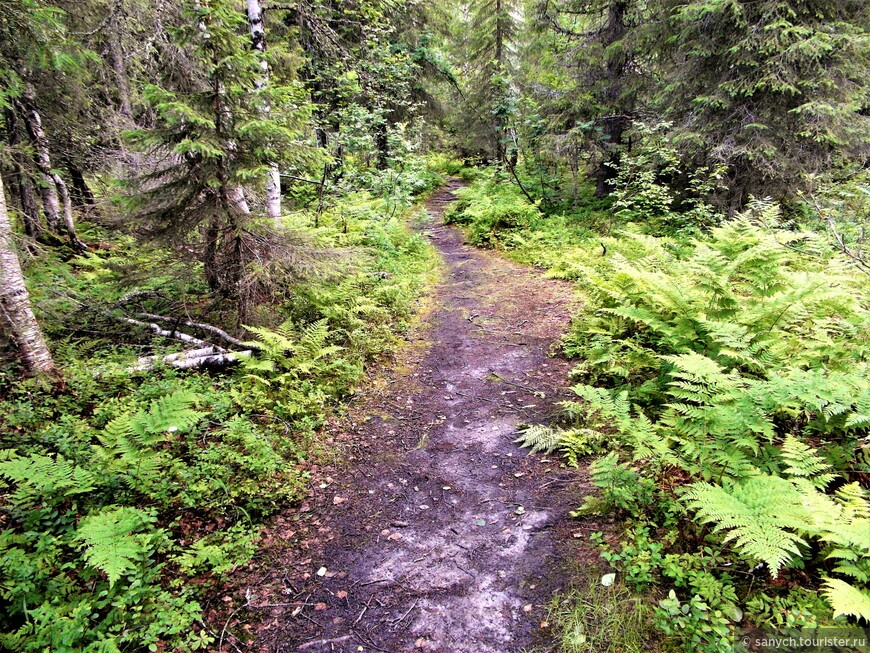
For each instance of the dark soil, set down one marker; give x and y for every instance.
(436, 532)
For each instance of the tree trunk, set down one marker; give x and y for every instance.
(33, 121)
(210, 254)
(68, 221)
(26, 194)
(15, 301)
(613, 127)
(382, 143)
(258, 42)
(82, 195)
(125, 107)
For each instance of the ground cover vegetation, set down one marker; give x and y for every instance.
(205, 241)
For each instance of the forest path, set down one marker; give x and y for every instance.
(438, 533)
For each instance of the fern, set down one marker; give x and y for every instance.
(803, 462)
(622, 487)
(539, 438)
(846, 599)
(167, 415)
(129, 443)
(39, 478)
(760, 515)
(110, 542)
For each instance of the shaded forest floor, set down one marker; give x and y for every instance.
(431, 531)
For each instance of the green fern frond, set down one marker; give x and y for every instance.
(37, 478)
(759, 515)
(165, 416)
(855, 501)
(538, 438)
(109, 541)
(803, 462)
(846, 599)
(858, 569)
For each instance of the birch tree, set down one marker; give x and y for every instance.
(258, 41)
(15, 301)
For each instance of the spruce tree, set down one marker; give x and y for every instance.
(492, 44)
(218, 128)
(777, 90)
(596, 45)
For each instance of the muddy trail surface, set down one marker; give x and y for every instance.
(436, 532)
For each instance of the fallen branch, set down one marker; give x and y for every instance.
(197, 325)
(173, 334)
(323, 642)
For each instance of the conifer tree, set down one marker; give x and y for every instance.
(599, 50)
(774, 89)
(492, 44)
(218, 128)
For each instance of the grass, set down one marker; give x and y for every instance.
(592, 618)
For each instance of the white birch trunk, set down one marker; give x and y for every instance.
(68, 221)
(238, 200)
(15, 301)
(258, 41)
(50, 202)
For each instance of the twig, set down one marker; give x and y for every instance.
(370, 643)
(404, 616)
(363, 611)
(322, 642)
(230, 618)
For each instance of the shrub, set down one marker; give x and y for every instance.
(729, 377)
(491, 211)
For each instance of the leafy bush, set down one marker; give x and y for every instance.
(654, 186)
(727, 375)
(491, 211)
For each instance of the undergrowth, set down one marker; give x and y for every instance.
(596, 619)
(127, 494)
(723, 395)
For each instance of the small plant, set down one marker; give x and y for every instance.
(692, 625)
(639, 558)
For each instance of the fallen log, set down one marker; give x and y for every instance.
(206, 356)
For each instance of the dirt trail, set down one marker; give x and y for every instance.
(439, 535)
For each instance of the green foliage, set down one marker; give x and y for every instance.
(726, 379)
(693, 625)
(296, 371)
(641, 191)
(109, 542)
(492, 211)
(84, 566)
(622, 488)
(124, 486)
(796, 64)
(847, 599)
(758, 514)
(703, 620)
(799, 608)
(639, 558)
